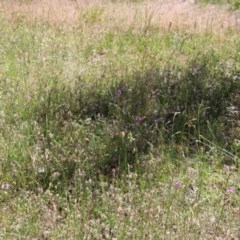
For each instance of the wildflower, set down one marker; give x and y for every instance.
(5, 186)
(138, 119)
(119, 92)
(177, 184)
(230, 190)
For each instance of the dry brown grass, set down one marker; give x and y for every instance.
(172, 14)
(185, 14)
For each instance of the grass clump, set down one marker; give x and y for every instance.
(113, 126)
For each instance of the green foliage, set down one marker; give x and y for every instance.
(235, 4)
(119, 124)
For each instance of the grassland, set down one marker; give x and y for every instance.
(119, 120)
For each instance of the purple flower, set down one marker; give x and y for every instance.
(138, 119)
(5, 186)
(177, 184)
(119, 92)
(230, 190)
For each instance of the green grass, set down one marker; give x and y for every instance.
(113, 133)
(235, 4)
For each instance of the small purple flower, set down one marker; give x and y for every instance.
(155, 121)
(230, 190)
(5, 186)
(119, 92)
(177, 184)
(138, 119)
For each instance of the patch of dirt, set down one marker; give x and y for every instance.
(167, 14)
